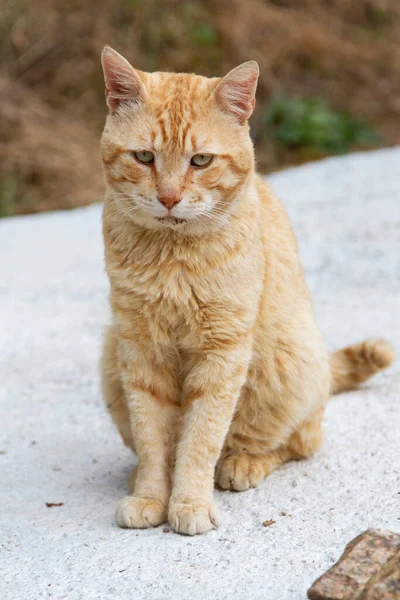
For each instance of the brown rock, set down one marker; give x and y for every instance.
(369, 569)
(269, 523)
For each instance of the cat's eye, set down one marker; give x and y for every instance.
(144, 156)
(201, 160)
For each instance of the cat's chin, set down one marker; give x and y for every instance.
(170, 221)
(191, 226)
(147, 221)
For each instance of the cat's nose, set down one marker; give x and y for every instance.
(169, 200)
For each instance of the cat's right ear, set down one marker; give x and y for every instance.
(123, 83)
(236, 91)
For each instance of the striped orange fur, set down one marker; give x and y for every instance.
(213, 367)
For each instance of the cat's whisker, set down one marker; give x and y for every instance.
(213, 215)
(125, 211)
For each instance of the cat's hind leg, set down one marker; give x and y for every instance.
(239, 470)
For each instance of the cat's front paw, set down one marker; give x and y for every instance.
(140, 513)
(191, 518)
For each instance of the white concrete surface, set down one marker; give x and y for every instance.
(58, 444)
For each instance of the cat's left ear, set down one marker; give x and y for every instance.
(236, 92)
(122, 80)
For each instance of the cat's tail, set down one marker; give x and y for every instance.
(355, 364)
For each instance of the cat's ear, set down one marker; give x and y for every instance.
(122, 81)
(236, 91)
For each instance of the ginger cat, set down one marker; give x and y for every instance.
(213, 367)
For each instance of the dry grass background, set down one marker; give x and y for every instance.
(52, 94)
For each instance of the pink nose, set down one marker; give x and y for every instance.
(169, 200)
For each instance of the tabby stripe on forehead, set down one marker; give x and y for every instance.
(159, 111)
(163, 131)
(185, 132)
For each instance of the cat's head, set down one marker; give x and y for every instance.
(176, 147)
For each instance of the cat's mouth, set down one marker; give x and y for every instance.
(170, 220)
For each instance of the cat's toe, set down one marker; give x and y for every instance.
(134, 512)
(194, 517)
(239, 472)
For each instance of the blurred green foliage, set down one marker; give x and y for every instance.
(181, 34)
(311, 123)
(203, 34)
